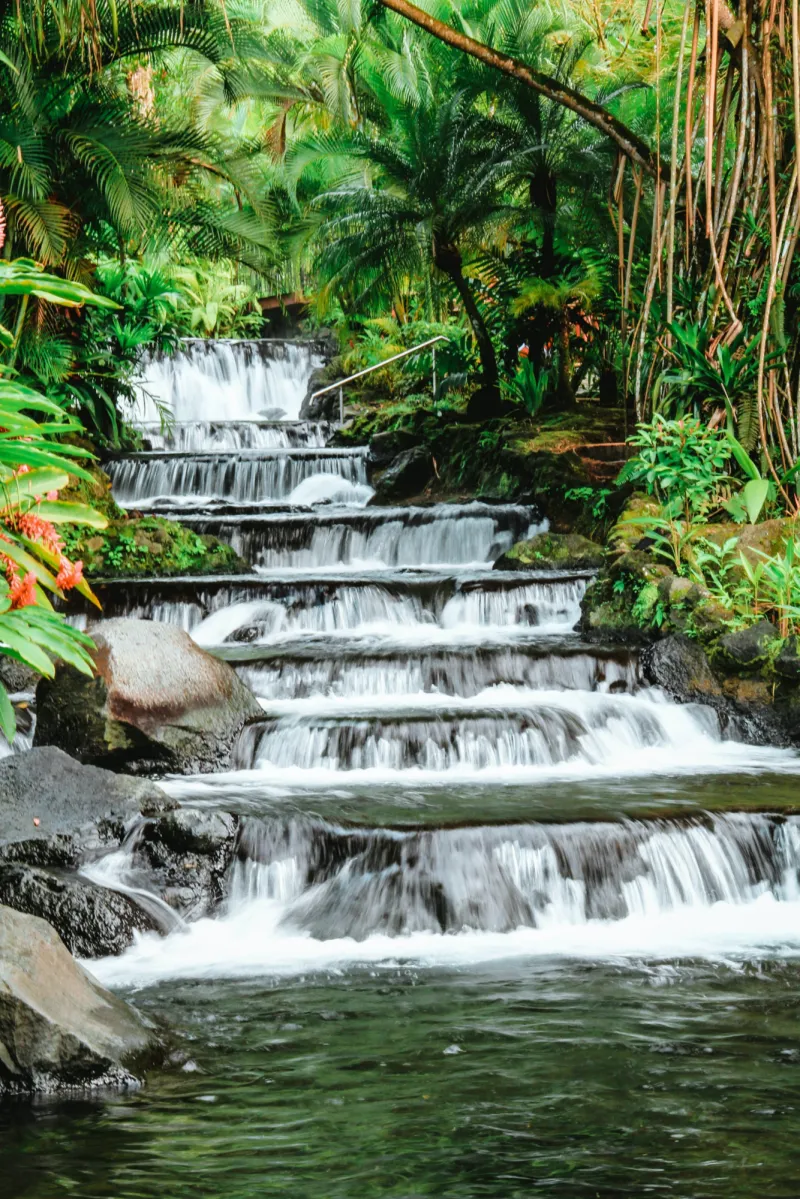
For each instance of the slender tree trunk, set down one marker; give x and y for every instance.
(448, 260)
(564, 391)
(594, 114)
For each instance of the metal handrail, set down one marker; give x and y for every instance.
(379, 366)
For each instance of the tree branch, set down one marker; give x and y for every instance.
(594, 114)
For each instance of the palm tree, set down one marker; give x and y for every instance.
(84, 163)
(422, 195)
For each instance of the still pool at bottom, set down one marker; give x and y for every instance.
(509, 1080)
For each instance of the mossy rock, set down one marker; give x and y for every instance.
(552, 551)
(148, 546)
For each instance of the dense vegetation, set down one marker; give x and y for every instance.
(597, 204)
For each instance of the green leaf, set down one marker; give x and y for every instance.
(8, 717)
(754, 495)
(60, 512)
(743, 458)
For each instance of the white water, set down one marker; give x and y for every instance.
(725, 890)
(419, 667)
(240, 478)
(231, 381)
(225, 436)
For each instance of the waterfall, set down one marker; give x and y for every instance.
(305, 895)
(167, 481)
(395, 666)
(226, 380)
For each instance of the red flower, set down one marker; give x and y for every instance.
(22, 592)
(69, 575)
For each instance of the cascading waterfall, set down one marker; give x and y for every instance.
(212, 381)
(194, 437)
(166, 481)
(308, 895)
(443, 535)
(389, 655)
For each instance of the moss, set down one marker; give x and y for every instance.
(150, 546)
(139, 546)
(564, 551)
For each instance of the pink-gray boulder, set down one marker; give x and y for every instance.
(158, 702)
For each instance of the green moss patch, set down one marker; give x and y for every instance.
(150, 546)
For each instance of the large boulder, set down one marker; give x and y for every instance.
(59, 1029)
(56, 814)
(157, 702)
(407, 475)
(552, 551)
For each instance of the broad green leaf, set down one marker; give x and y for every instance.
(17, 639)
(754, 495)
(36, 482)
(60, 512)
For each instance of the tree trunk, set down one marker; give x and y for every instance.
(448, 259)
(594, 114)
(543, 196)
(564, 391)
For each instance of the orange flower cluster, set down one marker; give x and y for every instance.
(22, 588)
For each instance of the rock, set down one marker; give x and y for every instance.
(639, 565)
(157, 702)
(628, 533)
(407, 475)
(557, 551)
(746, 649)
(187, 855)
(92, 921)
(751, 709)
(78, 808)
(385, 446)
(787, 663)
(681, 667)
(323, 407)
(190, 830)
(17, 678)
(59, 1029)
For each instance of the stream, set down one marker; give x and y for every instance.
(502, 918)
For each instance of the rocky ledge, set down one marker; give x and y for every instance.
(694, 647)
(60, 824)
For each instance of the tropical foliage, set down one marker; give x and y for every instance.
(35, 465)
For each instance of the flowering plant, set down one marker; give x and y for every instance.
(34, 467)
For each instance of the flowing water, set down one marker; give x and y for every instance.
(501, 917)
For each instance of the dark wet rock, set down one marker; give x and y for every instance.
(92, 921)
(746, 649)
(385, 446)
(681, 667)
(187, 855)
(555, 551)
(750, 708)
(76, 808)
(17, 678)
(157, 702)
(59, 1029)
(407, 474)
(323, 407)
(787, 663)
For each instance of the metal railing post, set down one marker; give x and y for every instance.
(341, 405)
(433, 356)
